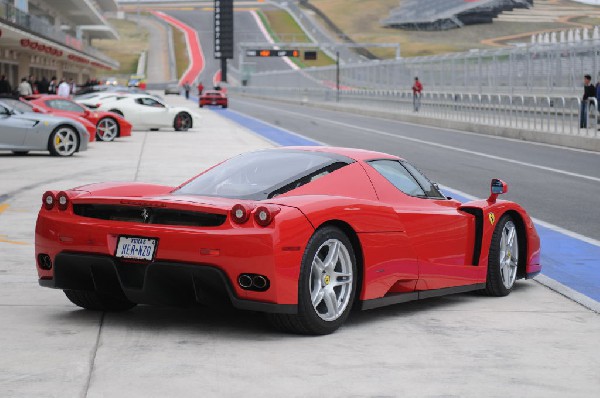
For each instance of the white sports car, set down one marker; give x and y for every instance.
(149, 112)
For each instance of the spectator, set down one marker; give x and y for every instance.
(5, 87)
(417, 89)
(186, 88)
(589, 91)
(25, 88)
(43, 85)
(52, 86)
(64, 90)
(72, 86)
(200, 88)
(33, 84)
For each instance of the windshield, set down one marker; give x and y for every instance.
(264, 174)
(17, 105)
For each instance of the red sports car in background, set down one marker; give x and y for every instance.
(302, 234)
(25, 106)
(108, 125)
(214, 97)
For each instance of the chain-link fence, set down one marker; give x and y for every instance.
(546, 69)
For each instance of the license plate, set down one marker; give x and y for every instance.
(136, 248)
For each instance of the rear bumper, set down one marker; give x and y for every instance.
(161, 283)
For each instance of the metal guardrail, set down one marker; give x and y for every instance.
(559, 115)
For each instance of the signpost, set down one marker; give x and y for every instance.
(223, 28)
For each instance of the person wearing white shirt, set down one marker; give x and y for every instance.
(25, 88)
(64, 89)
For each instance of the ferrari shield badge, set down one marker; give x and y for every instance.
(492, 218)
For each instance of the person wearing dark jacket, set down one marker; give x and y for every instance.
(5, 87)
(43, 85)
(589, 91)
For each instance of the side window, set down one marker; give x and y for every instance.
(430, 189)
(63, 105)
(394, 172)
(151, 102)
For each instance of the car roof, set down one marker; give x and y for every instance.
(353, 153)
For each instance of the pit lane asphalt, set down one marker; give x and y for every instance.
(533, 343)
(558, 185)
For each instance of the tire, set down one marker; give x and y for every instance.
(503, 261)
(107, 129)
(182, 121)
(117, 112)
(20, 153)
(201, 106)
(317, 280)
(96, 301)
(224, 106)
(64, 141)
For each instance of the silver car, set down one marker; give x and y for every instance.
(21, 132)
(172, 89)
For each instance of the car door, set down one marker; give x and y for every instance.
(441, 235)
(153, 112)
(13, 129)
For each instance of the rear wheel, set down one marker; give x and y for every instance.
(503, 262)
(107, 129)
(326, 287)
(182, 122)
(98, 301)
(63, 141)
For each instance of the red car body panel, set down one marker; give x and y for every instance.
(217, 98)
(93, 117)
(404, 244)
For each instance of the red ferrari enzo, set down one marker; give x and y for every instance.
(303, 234)
(108, 125)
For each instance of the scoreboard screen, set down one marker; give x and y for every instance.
(272, 53)
(223, 29)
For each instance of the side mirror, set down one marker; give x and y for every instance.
(498, 187)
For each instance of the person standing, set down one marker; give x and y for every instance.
(589, 91)
(25, 88)
(43, 85)
(200, 88)
(52, 86)
(64, 89)
(417, 89)
(186, 88)
(5, 87)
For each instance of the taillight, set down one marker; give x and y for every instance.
(264, 215)
(63, 201)
(240, 214)
(48, 200)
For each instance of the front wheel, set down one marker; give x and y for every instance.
(326, 287)
(182, 122)
(97, 301)
(63, 141)
(503, 262)
(107, 129)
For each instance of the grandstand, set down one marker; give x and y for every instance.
(448, 14)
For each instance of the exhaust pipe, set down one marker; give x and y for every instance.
(259, 282)
(245, 281)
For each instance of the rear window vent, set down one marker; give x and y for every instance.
(149, 215)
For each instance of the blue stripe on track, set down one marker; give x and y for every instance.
(573, 262)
